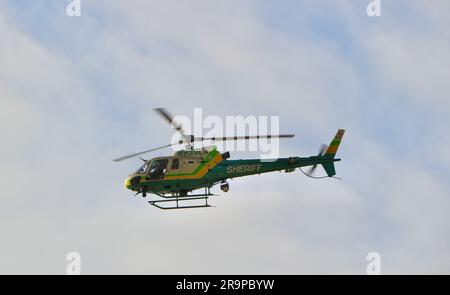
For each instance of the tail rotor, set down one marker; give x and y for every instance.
(326, 157)
(322, 150)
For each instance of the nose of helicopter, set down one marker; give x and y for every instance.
(127, 183)
(132, 182)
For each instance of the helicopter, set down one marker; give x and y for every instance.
(173, 179)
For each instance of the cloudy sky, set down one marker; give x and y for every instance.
(76, 92)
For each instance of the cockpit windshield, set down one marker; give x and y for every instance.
(142, 169)
(155, 170)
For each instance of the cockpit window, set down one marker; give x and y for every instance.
(142, 169)
(157, 169)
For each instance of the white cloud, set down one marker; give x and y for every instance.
(62, 120)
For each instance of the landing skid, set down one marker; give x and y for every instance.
(177, 201)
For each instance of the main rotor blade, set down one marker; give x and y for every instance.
(168, 117)
(144, 152)
(243, 137)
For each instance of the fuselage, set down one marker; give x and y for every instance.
(183, 173)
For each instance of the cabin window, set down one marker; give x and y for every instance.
(175, 164)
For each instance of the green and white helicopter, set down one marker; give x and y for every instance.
(174, 178)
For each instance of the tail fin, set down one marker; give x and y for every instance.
(331, 152)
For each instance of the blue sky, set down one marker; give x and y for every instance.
(78, 91)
